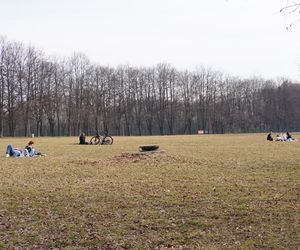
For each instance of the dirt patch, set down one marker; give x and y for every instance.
(137, 157)
(91, 163)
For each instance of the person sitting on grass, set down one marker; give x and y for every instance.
(31, 150)
(279, 138)
(82, 139)
(283, 135)
(289, 137)
(269, 137)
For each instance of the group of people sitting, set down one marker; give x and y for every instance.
(287, 137)
(29, 151)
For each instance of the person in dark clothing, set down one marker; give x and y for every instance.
(290, 138)
(82, 139)
(269, 137)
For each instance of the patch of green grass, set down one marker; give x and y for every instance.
(210, 192)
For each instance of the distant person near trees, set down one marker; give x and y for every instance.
(289, 137)
(82, 139)
(269, 137)
(279, 138)
(285, 137)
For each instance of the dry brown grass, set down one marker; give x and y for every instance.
(205, 192)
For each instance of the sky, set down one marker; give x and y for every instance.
(240, 37)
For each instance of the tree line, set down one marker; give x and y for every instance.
(51, 97)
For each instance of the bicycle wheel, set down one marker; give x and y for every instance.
(95, 140)
(107, 140)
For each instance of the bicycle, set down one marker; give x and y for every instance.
(101, 139)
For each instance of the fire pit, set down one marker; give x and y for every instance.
(148, 148)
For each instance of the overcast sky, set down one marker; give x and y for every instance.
(240, 37)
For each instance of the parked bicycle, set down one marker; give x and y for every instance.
(101, 139)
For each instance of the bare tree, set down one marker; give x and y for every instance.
(3, 48)
(11, 56)
(291, 9)
(149, 99)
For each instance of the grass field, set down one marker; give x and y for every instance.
(203, 192)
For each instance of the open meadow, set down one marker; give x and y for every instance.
(203, 192)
